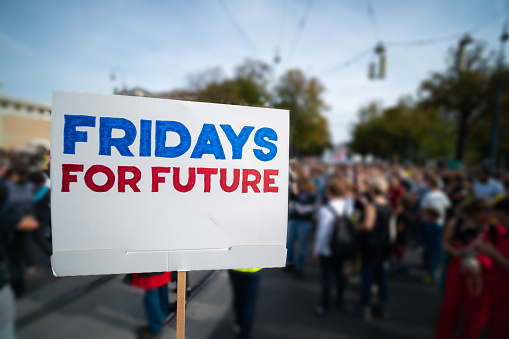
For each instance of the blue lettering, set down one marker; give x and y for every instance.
(106, 142)
(171, 126)
(259, 139)
(237, 141)
(71, 135)
(208, 143)
(145, 138)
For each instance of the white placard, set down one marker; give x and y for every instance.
(152, 185)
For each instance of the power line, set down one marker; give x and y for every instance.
(424, 42)
(282, 23)
(300, 28)
(372, 19)
(235, 23)
(409, 43)
(348, 62)
(437, 40)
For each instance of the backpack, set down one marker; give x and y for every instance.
(344, 237)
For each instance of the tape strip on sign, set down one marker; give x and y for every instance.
(151, 185)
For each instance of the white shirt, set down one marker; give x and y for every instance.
(488, 190)
(326, 224)
(439, 201)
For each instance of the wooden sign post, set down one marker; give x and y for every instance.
(181, 305)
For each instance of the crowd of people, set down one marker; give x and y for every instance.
(24, 225)
(362, 219)
(353, 219)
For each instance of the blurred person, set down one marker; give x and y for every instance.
(395, 192)
(19, 201)
(245, 285)
(300, 224)
(457, 193)
(404, 225)
(406, 180)
(42, 212)
(465, 290)
(419, 187)
(155, 301)
(9, 224)
(375, 246)
(435, 198)
(487, 187)
(319, 180)
(496, 246)
(331, 266)
(432, 244)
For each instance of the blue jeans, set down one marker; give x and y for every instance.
(156, 306)
(298, 230)
(245, 291)
(329, 268)
(373, 271)
(432, 256)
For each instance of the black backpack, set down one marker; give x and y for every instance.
(344, 237)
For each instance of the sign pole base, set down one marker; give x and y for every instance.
(181, 305)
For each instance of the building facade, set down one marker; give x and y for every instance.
(24, 123)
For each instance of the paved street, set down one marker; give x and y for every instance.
(285, 307)
(113, 310)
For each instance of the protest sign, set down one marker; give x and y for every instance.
(151, 185)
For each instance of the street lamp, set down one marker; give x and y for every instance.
(462, 57)
(382, 63)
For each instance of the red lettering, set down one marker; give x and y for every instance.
(222, 180)
(207, 172)
(253, 183)
(67, 178)
(268, 181)
(132, 182)
(156, 179)
(191, 180)
(89, 181)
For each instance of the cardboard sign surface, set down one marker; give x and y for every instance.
(151, 185)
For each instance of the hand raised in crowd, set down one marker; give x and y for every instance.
(27, 223)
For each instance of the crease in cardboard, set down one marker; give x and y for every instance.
(116, 261)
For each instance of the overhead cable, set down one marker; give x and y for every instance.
(239, 28)
(300, 28)
(349, 62)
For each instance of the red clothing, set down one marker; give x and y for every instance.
(149, 281)
(457, 296)
(465, 291)
(498, 320)
(394, 195)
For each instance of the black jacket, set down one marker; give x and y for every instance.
(8, 222)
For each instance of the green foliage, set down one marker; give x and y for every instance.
(405, 130)
(309, 133)
(463, 97)
(247, 87)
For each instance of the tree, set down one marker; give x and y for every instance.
(461, 95)
(406, 130)
(309, 133)
(247, 87)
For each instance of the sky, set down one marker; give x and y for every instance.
(157, 45)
